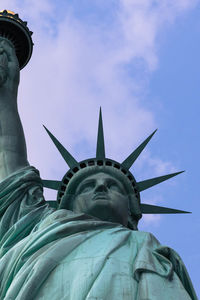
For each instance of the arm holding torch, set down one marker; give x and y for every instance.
(13, 154)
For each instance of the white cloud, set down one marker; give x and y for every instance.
(141, 23)
(77, 67)
(149, 220)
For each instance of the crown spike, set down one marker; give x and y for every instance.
(146, 184)
(128, 162)
(70, 160)
(154, 209)
(100, 152)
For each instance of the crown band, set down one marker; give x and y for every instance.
(95, 162)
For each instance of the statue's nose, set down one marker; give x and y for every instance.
(101, 188)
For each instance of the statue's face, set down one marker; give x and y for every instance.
(103, 196)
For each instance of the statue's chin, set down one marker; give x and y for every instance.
(103, 210)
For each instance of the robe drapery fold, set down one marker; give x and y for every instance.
(58, 254)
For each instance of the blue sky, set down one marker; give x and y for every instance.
(140, 61)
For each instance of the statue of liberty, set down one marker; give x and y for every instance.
(84, 245)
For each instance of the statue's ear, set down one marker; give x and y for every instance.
(134, 212)
(134, 206)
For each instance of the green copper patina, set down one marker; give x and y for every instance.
(86, 245)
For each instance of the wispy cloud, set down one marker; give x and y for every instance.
(79, 64)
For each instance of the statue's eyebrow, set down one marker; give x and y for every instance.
(111, 180)
(117, 182)
(85, 182)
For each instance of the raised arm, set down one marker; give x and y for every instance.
(13, 155)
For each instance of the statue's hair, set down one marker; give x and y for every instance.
(134, 203)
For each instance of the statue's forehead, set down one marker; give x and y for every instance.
(99, 176)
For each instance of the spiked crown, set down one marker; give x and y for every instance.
(101, 160)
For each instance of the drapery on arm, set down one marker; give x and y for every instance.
(22, 206)
(13, 155)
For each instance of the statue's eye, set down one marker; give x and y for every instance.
(114, 187)
(85, 188)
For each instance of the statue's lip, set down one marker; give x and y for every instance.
(100, 196)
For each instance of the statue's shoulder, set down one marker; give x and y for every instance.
(144, 234)
(145, 240)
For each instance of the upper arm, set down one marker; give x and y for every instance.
(22, 204)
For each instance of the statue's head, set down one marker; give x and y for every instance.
(105, 193)
(103, 187)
